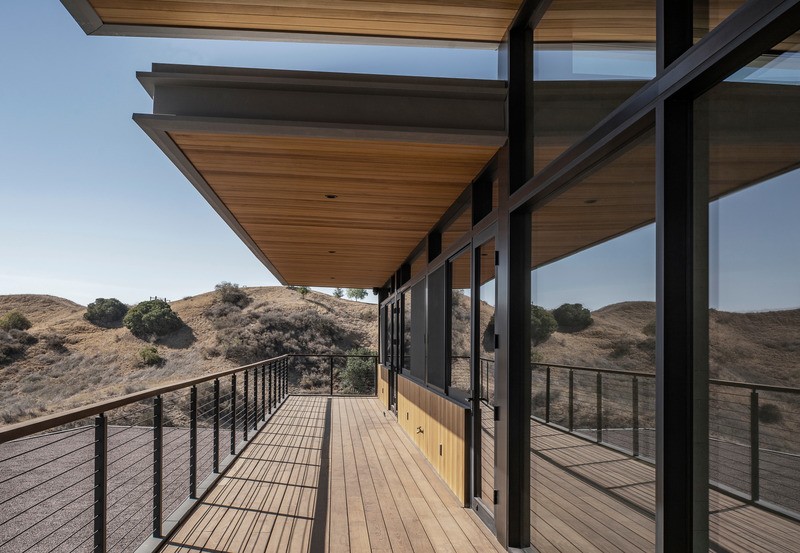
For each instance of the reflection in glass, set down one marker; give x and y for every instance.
(485, 365)
(419, 264)
(747, 150)
(710, 13)
(593, 351)
(457, 228)
(460, 328)
(585, 64)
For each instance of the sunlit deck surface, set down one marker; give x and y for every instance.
(588, 498)
(331, 474)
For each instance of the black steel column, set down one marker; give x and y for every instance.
(158, 465)
(681, 308)
(255, 398)
(100, 482)
(193, 444)
(512, 315)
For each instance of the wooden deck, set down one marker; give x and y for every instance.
(331, 474)
(587, 498)
(338, 474)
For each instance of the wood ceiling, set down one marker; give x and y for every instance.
(460, 20)
(388, 197)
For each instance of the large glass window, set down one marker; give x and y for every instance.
(593, 350)
(406, 300)
(710, 13)
(460, 353)
(486, 370)
(747, 151)
(586, 62)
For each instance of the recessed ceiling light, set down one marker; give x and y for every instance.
(591, 201)
(331, 251)
(331, 196)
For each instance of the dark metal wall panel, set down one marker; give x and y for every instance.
(437, 339)
(418, 327)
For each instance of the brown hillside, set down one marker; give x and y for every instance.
(96, 363)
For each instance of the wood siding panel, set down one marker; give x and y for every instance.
(383, 386)
(443, 439)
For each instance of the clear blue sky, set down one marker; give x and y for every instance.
(91, 207)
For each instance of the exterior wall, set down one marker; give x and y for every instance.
(439, 427)
(383, 386)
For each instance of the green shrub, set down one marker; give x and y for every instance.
(303, 290)
(358, 377)
(14, 320)
(338, 293)
(105, 312)
(228, 292)
(53, 340)
(572, 317)
(357, 294)
(150, 356)
(152, 318)
(543, 324)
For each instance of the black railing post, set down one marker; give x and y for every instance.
(755, 492)
(271, 386)
(233, 414)
(375, 375)
(547, 396)
(331, 359)
(216, 425)
(246, 405)
(263, 393)
(285, 377)
(100, 482)
(599, 391)
(193, 444)
(571, 400)
(255, 398)
(158, 465)
(635, 414)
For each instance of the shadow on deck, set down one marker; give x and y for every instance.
(331, 474)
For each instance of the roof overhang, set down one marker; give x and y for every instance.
(434, 23)
(267, 148)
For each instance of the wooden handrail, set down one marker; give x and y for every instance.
(26, 428)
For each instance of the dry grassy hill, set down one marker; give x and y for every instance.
(74, 362)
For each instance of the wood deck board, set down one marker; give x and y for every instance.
(380, 495)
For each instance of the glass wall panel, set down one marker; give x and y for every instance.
(593, 360)
(747, 141)
(437, 327)
(418, 330)
(419, 264)
(586, 62)
(460, 354)
(457, 228)
(710, 13)
(486, 370)
(406, 300)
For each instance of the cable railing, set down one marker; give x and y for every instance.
(755, 448)
(333, 374)
(122, 473)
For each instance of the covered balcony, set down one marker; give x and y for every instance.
(633, 157)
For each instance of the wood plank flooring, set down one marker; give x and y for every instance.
(331, 474)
